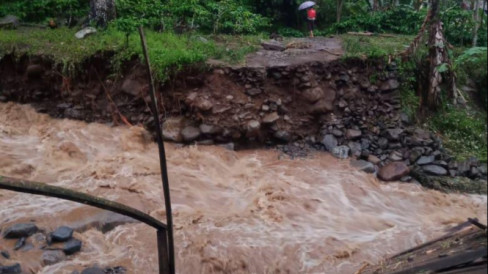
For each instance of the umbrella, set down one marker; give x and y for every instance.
(306, 5)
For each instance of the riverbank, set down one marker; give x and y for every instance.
(343, 102)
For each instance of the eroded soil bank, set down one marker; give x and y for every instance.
(348, 107)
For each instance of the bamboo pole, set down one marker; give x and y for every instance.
(79, 197)
(162, 157)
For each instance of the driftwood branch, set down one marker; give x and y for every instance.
(79, 197)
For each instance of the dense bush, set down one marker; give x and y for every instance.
(458, 24)
(41, 10)
(471, 65)
(403, 20)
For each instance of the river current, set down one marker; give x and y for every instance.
(234, 212)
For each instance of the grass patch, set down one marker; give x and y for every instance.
(168, 52)
(463, 131)
(374, 46)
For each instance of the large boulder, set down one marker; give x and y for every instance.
(393, 171)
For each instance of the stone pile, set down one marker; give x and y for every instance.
(57, 245)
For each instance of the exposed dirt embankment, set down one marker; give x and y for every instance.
(348, 107)
(242, 105)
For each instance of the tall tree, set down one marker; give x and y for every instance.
(476, 17)
(102, 11)
(439, 63)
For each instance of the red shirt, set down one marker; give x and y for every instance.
(311, 14)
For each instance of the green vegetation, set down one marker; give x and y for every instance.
(471, 68)
(374, 46)
(168, 51)
(463, 131)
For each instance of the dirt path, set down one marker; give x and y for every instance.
(298, 51)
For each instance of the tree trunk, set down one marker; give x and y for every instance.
(102, 12)
(339, 10)
(438, 56)
(476, 20)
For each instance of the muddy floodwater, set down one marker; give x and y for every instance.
(234, 212)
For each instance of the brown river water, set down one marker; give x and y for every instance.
(234, 212)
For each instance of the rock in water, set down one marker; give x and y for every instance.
(10, 269)
(434, 170)
(93, 270)
(20, 230)
(393, 171)
(50, 257)
(62, 234)
(190, 134)
(20, 243)
(363, 165)
(85, 32)
(72, 246)
(341, 152)
(329, 141)
(5, 254)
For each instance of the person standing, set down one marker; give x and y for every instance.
(311, 15)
